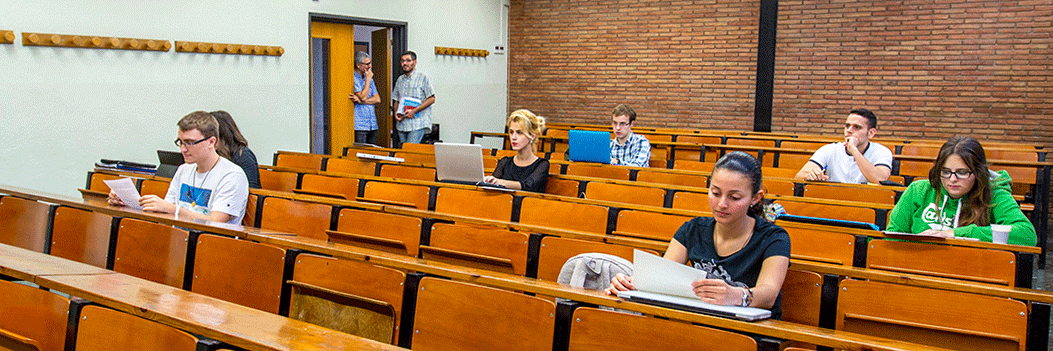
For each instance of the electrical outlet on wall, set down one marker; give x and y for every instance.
(499, 48)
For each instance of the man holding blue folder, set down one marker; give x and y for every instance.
(412, 89)
(628, 148)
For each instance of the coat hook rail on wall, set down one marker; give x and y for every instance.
(237, 49)
(94, 42)
(460, 52)
(7, 37)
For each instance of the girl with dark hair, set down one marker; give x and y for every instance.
(745, 256)
(233, 146)
(961, 198)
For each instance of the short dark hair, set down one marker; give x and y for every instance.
(870, 116)
(625, 110)
(411, 54)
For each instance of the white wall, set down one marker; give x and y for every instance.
(62, 109)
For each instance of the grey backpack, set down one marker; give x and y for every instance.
(593, 270)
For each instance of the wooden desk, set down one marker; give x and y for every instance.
(195, 313)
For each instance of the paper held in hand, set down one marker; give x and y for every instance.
(407, 102)
(125, 190)
(658, 275)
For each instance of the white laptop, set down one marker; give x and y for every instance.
(460, 163)
(668, 284)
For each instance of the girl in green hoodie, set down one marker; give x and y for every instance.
(961, 198)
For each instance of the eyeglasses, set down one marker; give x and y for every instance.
(181, 143)
(961, 174)
(620, 124)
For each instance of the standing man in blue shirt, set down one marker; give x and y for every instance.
(414, 122)
(364, 97)
(628, 148)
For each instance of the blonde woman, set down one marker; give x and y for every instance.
(525, 170)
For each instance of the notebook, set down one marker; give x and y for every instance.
(589, 146)
(460, 163)
(666, 283)
(169, 162)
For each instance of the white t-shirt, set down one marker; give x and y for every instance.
(224, 188)
(842, 168)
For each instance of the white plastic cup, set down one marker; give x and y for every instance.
(1000, 233)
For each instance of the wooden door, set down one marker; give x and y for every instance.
(341, 68)
(382, 63)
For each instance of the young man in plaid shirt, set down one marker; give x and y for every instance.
(627, 148)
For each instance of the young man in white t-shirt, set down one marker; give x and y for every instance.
(207, 186)
(856, 160)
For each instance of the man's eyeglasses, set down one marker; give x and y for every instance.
(620, 124)
(181, 143)
(961, 174)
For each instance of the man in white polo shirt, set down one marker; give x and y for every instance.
(856, 160)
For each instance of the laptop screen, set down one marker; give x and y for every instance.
(589, 146)
(459, 162)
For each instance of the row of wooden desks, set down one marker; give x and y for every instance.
(228, 322)
(195, 313)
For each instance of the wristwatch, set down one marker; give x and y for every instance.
(747, 297)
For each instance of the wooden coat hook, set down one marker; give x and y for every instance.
(7, 37)
(232, 49)
(93, 42)
(439, 50)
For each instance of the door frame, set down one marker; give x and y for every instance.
(398, 46)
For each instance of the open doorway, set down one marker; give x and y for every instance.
(334, 41)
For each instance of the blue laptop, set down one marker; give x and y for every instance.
(589, 146)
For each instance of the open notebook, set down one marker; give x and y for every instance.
(666, 283)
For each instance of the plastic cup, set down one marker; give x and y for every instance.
(1000, 233)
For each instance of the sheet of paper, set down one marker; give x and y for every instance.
(126, 191)
(658, 275)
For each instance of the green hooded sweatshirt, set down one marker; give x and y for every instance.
(919, 210)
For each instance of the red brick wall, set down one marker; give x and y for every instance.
(929, 69)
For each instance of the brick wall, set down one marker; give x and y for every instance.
(930, 69)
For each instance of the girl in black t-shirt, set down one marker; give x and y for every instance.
(525, 170)
(744, 255)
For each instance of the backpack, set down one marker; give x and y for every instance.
(593, 270)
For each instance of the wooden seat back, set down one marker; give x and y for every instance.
(834, 192)
(694, 165)
(773, 172)
(24, 223)
(553, 213)
(336, 187)
(799, 144)
(696, 180)
(802, 295)
(154, 187)
(311, 162)
(555, 251)
(623, 193)
(768, 159)
(858, 214)
(97, 181)
(82, 236)
(417, 195)
(300, 217)
(562, 187)
(592, 170)
(418, 147)
(100, 328)
(151, 251)
(493, 249)
(687, 200)
(931, 317)
(239, 271)
(278, 181)
(351, 166)
(377, 230)
(649, 225)
(428, 160)
(353, 297)
(449, 317)
(249, 219)
(792, 161)
(496, 205)
(32, 318)
(602, 330)
(407, 172)
(692, 154)
(779, 187)
(955, 262)
(830, 247)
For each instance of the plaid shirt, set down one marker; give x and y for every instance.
(417, 86)
(365, 114)
(635, 152)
